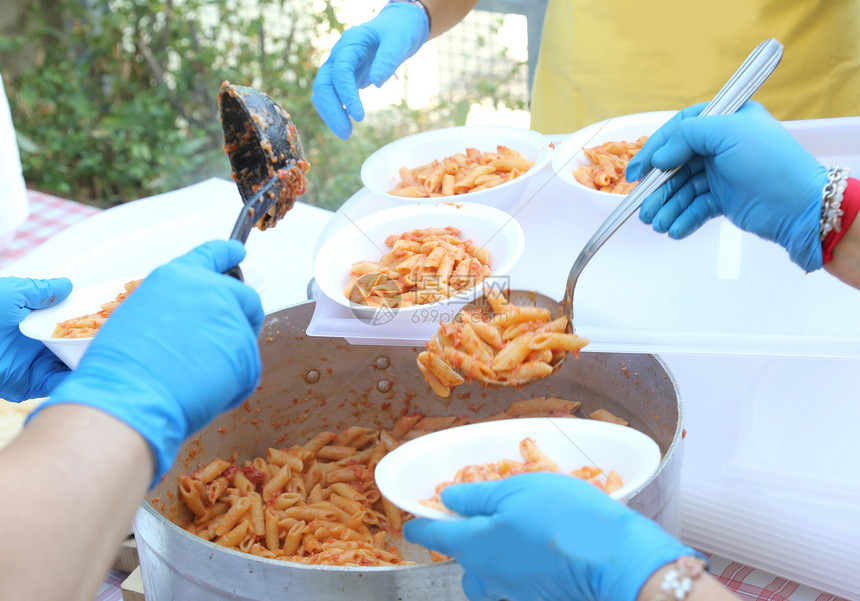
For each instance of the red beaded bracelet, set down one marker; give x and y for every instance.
(850, 207)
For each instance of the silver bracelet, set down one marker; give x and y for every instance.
(422, 5)
(831, 201)
(678, 581)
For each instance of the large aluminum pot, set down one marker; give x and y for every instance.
(311, 384)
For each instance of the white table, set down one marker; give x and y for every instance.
(138, 236)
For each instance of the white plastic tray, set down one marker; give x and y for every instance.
(720, 291)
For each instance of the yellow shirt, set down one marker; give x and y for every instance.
(603, 58)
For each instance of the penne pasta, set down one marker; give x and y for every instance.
(277, 482)
(607, 164)
(550, 406)
(513, 353)
(534, 460)
(211, 471)
(86, 326)
(423, 266)
(190, 491)
(318, 503)
(233, 537)
(511, 345)
(462, 173)
(528, 372)
(607, 416)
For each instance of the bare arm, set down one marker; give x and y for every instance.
(444, 14)
(705, 588)
(181, 349)
(846, 257)
(72, 481)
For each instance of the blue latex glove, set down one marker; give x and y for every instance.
(745, 166)
(179, 350)
(366, 54)
(28, 370)
(546, 537)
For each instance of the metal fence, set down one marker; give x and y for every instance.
(472, 59)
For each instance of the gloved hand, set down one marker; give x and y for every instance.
(28, 370)
(366, 54)
(547, 537)
(745, 166)
(179, 350)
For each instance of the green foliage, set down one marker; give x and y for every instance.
(122, 103)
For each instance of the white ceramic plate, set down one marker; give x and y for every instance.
(381, 170)
(364, 239)
(628, 128)
(40, 324)
(411, 472)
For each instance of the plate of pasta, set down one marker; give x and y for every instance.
(484, 164)
(617, 459)
(412, 258)
(593, 159)
(67, 328)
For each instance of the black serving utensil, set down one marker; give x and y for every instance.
(266, 157)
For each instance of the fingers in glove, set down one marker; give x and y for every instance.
(26, 294)
(475, 499)
(678, 202)
(249, 301)
(393, 50)
(328, 105)
(46, 373)
(215, 255)
(44, 293)
(219, 256)
(701, 209)
(653, 203)
(642, 161)
(708, 136)
(345, 79)
(448, 538)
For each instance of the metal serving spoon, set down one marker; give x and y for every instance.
(266, 157)
(754, 71)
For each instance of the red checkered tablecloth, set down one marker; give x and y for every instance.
(111, 588)
(747, 583)
(48, 216)
(750, 584)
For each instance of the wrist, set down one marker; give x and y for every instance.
(418, 10)
(152, 413)
(703, 587)
(421, 5)
(647, 549)
(800, 236)
(838, 213)
(674, 581)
